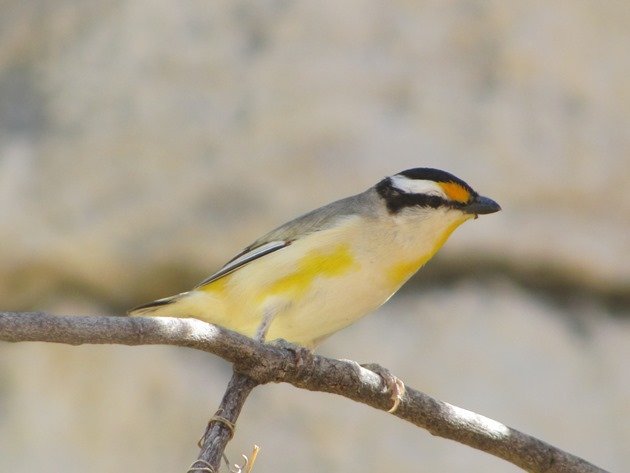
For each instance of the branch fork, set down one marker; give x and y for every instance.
(258, 363)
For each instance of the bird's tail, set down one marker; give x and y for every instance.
(166, 306)
(198, 304)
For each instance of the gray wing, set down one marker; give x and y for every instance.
(314, 221)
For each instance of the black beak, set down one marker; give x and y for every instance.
(481, 205)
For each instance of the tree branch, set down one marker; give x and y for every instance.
(265, 363)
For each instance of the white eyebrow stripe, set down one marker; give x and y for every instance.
(417, 186)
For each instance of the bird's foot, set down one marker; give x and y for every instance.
(302, 355)
(393, 384)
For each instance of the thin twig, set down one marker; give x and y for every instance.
(265, 363)
(218, 434)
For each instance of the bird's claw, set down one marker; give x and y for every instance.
(393, 384)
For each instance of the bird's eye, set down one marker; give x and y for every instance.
(435, 200)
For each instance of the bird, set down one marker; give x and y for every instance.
(323, 271)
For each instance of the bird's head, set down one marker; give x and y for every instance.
(426, 192)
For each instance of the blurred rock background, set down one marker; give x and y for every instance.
(143, 143)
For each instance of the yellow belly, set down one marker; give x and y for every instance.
(315, 286)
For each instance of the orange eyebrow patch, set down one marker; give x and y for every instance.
(455, 192)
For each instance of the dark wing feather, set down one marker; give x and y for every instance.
(243, 258)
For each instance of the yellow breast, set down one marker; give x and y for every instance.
(401, 271)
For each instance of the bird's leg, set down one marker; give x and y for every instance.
(301, 354)
(392, 384)
(263, 328)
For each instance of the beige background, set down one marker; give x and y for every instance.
(143, 143)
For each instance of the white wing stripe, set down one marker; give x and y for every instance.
(255, 253)
(245, 258)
